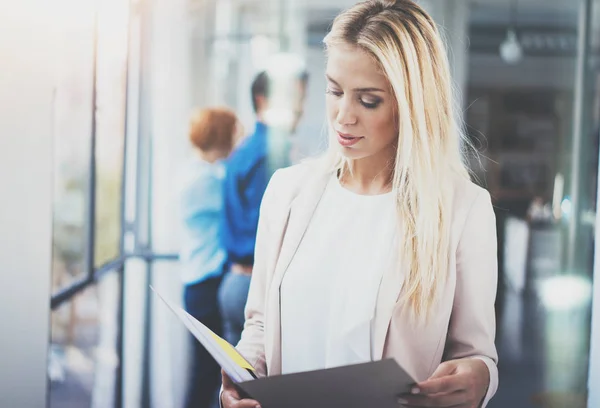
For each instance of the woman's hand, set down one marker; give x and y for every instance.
(460, 383)
(230, 398)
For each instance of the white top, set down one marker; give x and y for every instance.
(329, 292)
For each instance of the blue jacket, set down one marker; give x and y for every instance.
(244, 185)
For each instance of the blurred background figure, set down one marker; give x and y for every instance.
(277, 99)
(213, 133)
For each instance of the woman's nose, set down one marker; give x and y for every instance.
(346, 115)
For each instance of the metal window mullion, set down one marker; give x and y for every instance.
(141, 223)
(69, 292)
(91, 192)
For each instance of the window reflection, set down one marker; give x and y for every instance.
(113, 18)
(523, 117)
(73, 101)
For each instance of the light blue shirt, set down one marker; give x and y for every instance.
(200, 206)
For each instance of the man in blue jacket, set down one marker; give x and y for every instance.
(278, 103)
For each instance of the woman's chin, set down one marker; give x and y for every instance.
(350, 153)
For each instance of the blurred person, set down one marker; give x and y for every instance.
(383, 247)
(212, 133)
(277, 99)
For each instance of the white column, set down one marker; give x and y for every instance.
(311, 135)
(296, 27)
(135, 282)
(28, 46)
(171, 96)
(202, 18)
(223, 46)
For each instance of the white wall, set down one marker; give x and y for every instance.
(27, 45)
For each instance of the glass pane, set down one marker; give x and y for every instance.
(530, 115)
(111, 92)
(83, 356)
(73, 99)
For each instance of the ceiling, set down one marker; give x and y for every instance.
(550, 12)
(547, 27)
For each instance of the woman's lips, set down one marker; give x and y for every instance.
(347, 140)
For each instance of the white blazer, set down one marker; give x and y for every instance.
(463, 324)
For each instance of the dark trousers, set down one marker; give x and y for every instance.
(200, 301)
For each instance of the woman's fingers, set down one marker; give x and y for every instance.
(231, 398)
(455, 399)
(227, 383)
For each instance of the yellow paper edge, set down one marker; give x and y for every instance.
(232, 352)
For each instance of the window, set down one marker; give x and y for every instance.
(90, 113)
(73, 108)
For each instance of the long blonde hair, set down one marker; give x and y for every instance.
(405, 43)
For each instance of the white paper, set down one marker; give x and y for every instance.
(223, 353)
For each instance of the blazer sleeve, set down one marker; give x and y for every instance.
(251, 344)
(473, 322)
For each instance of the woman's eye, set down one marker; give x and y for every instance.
(333, 92)
(370, 104)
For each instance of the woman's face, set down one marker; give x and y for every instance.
(360, 105)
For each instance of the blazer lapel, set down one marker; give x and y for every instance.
(301, 210)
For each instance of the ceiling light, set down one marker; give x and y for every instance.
(510, 49)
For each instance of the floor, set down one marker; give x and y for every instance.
(82, 367)
(543, 355)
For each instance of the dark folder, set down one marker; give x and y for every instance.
(375, 384)
(369, 385)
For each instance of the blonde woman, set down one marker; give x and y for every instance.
(384, 248)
